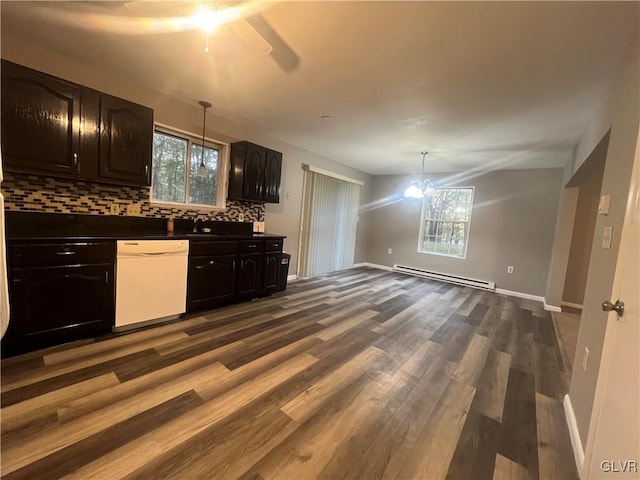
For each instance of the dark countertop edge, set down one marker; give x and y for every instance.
(150, 236)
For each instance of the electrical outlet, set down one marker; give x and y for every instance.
(115, 209)
(510, 269)
(389, 251)
(133, 209)
(585, 359)
(241, 217)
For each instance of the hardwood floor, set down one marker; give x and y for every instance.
(361, 374)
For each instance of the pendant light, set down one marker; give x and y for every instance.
(419, 189)
(202, 170)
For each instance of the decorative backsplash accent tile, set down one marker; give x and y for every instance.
(30, 193)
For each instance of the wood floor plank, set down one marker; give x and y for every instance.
(554, 443)
(518, 440)
(475, 453)
(492, 385)
(21, 414)
(506, 469)
(436, 444)
(473, 361)
(304, 405)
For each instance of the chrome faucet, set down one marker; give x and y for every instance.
(197, 219)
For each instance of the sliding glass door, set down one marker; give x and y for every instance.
(329, 224)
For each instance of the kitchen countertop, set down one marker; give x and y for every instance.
(32, 226)
(74, 236)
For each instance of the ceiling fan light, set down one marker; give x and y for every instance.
(206, 19)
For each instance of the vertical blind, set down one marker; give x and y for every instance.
(332, 223)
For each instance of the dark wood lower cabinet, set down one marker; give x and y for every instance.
(211, 281)
(58, 303)
(225, 271)
(249, 275)
(270, 277)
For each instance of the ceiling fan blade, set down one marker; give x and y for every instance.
(282, 53)
(250, 36)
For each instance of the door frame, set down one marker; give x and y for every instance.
(607, 348)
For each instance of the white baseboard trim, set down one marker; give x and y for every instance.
(551, 308)
(292, 278)
(373, 265)
(574, 434)
(572, 305)
(513, 293)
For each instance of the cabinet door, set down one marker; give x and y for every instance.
(211, 281)
(249, 275)
(58, 304)
(40, 122)
(126, 141)
(254, 163)
(270, 277)
(273, 169)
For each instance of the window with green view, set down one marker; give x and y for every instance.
(446, 215)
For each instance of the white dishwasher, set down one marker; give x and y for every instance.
(151, 280)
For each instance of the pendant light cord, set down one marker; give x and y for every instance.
(202, 169)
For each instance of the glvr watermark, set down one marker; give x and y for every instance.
(619, 466)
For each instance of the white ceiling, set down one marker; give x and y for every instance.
(478, 85)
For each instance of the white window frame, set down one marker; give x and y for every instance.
(423, 221)
(223, 169)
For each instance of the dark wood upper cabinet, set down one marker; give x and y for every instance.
(272, 171)
(126, 140)
(54, 127)
(255, 173)
(40, 122)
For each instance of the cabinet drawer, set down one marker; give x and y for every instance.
(251, 246)
(199, 248)
(273, 245)
(63, 253)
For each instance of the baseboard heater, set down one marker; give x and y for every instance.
(445, 277)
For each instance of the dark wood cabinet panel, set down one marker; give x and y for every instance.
(252, 186)
(211, 281)
(272, 172)
(270, 277)
(255, 173)
(249, 275)
(40, 122)
(57, 128)
(126, 140)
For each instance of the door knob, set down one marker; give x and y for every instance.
(618, 307)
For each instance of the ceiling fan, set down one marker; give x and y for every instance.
(243, 19)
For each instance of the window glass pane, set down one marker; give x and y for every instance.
(203, 190)
(169, 163)
(447, 214)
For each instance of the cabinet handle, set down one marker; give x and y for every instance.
(210, 262)
(75, 159)
(253, 246)
(233, 265)
(106, 277)
(146, 170)
(65, 253)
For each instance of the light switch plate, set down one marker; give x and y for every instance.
(606, 237)
(605, 203)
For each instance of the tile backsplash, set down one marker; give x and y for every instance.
(30, 193)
